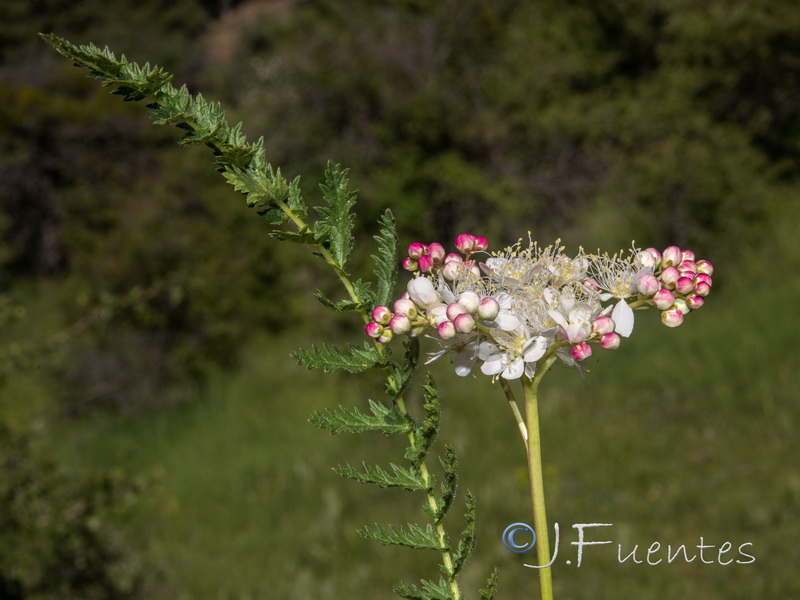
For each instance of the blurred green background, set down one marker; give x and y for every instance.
(154, 436)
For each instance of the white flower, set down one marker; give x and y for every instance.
(512, 359)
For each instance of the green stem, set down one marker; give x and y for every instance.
(536, 478)
(512, 401)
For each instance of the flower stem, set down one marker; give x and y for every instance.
(536, 478)
(512, 401)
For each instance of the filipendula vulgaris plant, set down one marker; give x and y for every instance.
(512, 313)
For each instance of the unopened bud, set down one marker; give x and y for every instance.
(610, 341)
(590, 283)
(681, 305)
(672, 256)
(446, 330)
(400, 324)
(417, 249)
(701, 288)
(453, 257)
(425, 263)
(669, 276)
(455, 309)
(694, 301)
(684, 285)
(603, 325)
(470, 301)
(647, 285)
(465, 243)
(404, 306)
(373, 329)
(409, 264)
(672, 317)
(464, 323)
(436, 252)
(437, 314)
(663, 299)
(703, 266)
(473, 268)
(481, 243)
(649, 257)
(581, 351)
(450, 270)
(385, 337)
(488, 308)
(704, 278)
(687, 266)
(687, 255)
(381, 314)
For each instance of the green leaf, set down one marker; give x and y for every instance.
(386, 259)
(449, 465)
(408, 479)
(355, 360)
(337, 220)
(342, 420)
(429, 591)
(491, 586)
(412, 536)
(401, 376)
(467, 541)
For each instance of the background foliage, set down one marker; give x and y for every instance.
(138, 282)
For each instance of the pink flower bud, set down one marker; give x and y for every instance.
(681, 305)
(684, 285)
(404, 306)
(451, 270)
(425, 263)
(417, 249)
(603, 325)
(704, 278)
(488, 308)
(464, 323)
(701, 288)
(703, 266)
(663, 299)
(436, 252)
(446, 330)
(669, 276)
(381, 314)
(687, 266)
(610, 341)
(373, 329)
(455, 309)
(465, 243)
(694, 301)
(649, 257)
(481, 243)
(409, 264)
(672, 317)
(581, 351)
(453, 257)
(470, 301)
(687, 255)
(672, 256)
(400, 324)
(647, 285)
(385, 337)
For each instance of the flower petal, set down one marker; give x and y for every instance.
(514, 370)
(463, 363)
(623, 317)
(506, 321)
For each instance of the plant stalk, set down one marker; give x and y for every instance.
(536, 478)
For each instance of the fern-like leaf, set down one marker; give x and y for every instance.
(337, 221)
(487, 593)
(344, 420)
(408, 479)
(355, 360)
(429, 591)
(386, 259)
(412, 536)
(467, 542)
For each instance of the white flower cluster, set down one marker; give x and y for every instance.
(520, 306)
